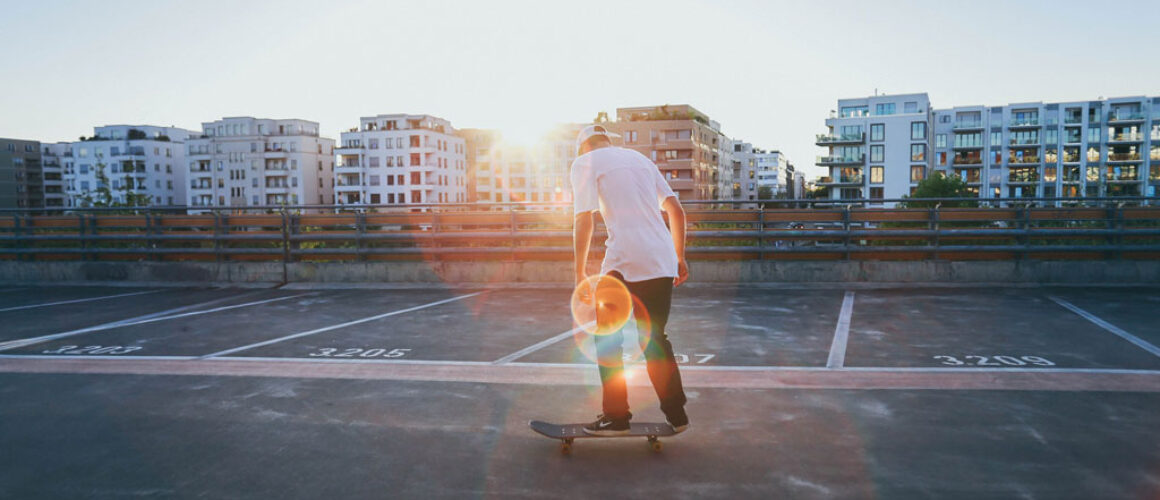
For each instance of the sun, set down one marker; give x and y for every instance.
(525, 134)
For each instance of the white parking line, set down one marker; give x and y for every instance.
(335, 327)
(7, 346)
(77, 301)
(539, 345)
(841, 333)
(1139, 342)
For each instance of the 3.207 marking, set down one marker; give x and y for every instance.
(680, 358)
(974, 360)
(94, 350)
(333, 352)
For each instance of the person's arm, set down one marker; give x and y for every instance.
(676, 216)
(581, 240)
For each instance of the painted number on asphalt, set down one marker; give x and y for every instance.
(94, 349)
(683, 358)
(332, 352)
(974, 360)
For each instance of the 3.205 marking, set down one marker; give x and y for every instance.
(94, 350)
(333, 352)
(974, 360)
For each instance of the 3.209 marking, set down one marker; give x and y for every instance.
(333, 352)
(999, 361)
(93, 350)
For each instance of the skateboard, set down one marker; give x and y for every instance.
(566, 433)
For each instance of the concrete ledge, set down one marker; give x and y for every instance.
(544, 272)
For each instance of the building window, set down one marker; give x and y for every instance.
(917, 173)
(630, 137)
(886, 108)
(877, 193)
(918, 131)
(917, 152)
(877, 173)
(878, 132)
(876, 153)
(940, 141)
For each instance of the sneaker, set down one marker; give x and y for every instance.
(679, 421)
(607, 426)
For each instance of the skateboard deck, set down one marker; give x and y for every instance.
(566, 433)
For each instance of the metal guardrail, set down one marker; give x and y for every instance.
(1000, 229)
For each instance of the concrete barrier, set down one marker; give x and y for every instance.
(252, 273)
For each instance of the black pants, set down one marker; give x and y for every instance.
(656, 297)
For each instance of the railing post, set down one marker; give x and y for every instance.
(846, 230)
(360, 224)
(935, 226)
(92, 221)
(18, 231)
(512, 232)
(1116, 223)
(217, 240)
(761, 232)
(285, 245)
(149, 241)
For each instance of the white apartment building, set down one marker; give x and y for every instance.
(535, 174)
(1106, 147)
(878, 146)
(246, 161)
(754, 168)
(881, 146)
(401, 159)
(141, 163)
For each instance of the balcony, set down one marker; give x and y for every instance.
(1024, 142)
(967, 145)
(1024, 178)
(968, 125)
(1125, 117)
(844, 180)
(346, 166)
(1126, 138)
(1023, 123)
(1023, 160)
(828, 140)
(1123, 157)
(1072, 120)
(1071, 158)
(352, 147)
(958, 162)
(841, 160)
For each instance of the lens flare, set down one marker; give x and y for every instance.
(601, 305)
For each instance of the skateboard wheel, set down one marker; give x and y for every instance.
(566, 448)
(656, 446)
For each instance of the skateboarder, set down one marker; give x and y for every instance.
(630, 193)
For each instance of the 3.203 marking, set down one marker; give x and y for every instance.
(334, 352)
(974, 360)
(93, 350)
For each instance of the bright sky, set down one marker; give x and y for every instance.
(768, 71)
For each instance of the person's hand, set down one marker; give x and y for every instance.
(682, 273)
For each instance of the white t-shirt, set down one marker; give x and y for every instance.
(628, 190)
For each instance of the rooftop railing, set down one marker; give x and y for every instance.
(914, 229)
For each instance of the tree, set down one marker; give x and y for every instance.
(764, 193)
(938, 185)
(103, 195)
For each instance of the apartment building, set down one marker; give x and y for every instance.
(51, 163)
(126, 164)
(21, 176)
(537, 173)
(878, 147)
(401, 159)
(246, 161)
(755, 168)
(726, 179)
(683, 142)
(1103, 147)
(477, 146)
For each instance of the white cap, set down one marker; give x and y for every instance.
(592, 131)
